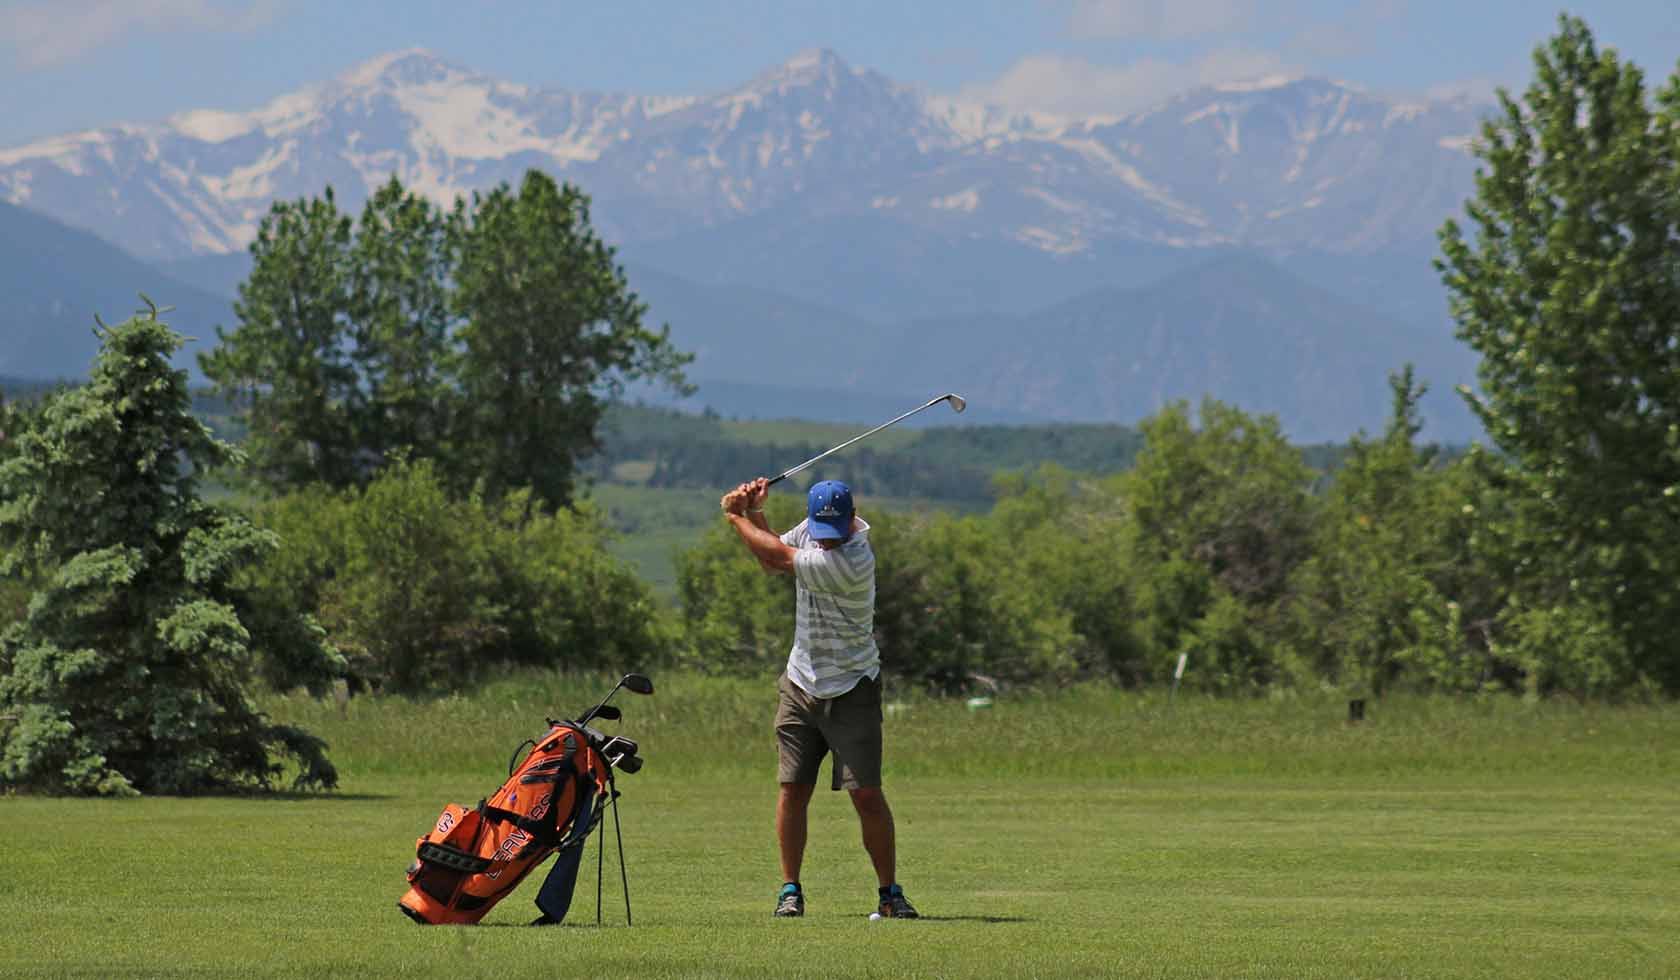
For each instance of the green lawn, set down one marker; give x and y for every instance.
(1093, 833)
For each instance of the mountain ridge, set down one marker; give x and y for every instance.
(58, 279)
(1237, 327)
(1290, 164)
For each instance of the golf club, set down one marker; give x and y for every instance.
(958, 403)
(638, 683)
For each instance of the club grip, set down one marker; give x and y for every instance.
(775, 480)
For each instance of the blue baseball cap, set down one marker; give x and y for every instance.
(830, 511)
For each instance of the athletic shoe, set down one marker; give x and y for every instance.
(895, 906)
(791, 903)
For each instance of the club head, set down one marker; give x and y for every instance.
(618, 745)
(638, 683)
(609, 712)
(958, 402)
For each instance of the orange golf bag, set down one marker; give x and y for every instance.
(473, 857)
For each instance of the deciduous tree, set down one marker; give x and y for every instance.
(1375, 604)
(488, 340)
(551, 329)
(1567, 283)
(399, 295)
(289, 363)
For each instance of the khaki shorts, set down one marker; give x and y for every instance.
(808, 728)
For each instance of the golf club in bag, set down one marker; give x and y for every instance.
(958, 403)
(552, 801)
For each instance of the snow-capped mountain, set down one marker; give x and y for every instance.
(1283, 164)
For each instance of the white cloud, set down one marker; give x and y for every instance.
(44, 34)
(1069, 86)
(1473, 90)
(1161, 19)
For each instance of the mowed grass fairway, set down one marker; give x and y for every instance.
(1087, 833)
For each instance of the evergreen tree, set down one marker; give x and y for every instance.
(128, 672)
(1568, 286)
(14, 589)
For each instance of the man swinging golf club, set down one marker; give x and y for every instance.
(830, 693)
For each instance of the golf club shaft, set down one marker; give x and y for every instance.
(821, 456)
(590, 714)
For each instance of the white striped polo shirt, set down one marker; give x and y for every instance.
(834, 633)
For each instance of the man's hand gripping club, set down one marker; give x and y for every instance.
(744, 507)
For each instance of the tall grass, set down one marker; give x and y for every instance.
(718, 725)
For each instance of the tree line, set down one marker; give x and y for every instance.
(944, 464)
(1218, 545)
(418, 389)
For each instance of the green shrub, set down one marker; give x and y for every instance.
(951, 601)
(737, 618)
(1230, 650)
(1569, 648)
(568, 599)
(1220, 517)
(424, 592)
(1380, 601)
(1068, 534)
(954, 600)
(415, 597)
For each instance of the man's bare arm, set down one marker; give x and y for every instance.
(757, 517)
(772, 554)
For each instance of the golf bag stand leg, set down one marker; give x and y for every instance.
(601, 862)
(618, 834)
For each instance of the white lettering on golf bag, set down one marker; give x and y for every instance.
(509, 848)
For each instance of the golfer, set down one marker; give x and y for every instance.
(831, 689)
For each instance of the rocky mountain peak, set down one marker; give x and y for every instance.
(411, 66)
(817, 74)
(819, 66)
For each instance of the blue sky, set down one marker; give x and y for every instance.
(75, 64)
